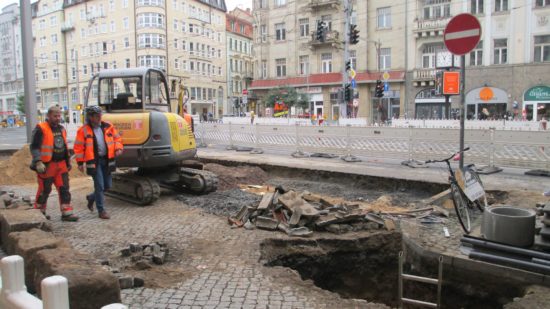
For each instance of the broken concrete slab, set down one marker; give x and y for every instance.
(389, 225)
(300, 232)
(90, 286)
(20, 219)
(26, 244)
(126, 282)
(266, 223)
(292, 200)
(339, 217)
(266, 201)
(375, 218)
(295, 218)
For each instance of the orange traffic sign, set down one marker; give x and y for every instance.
(451, 83)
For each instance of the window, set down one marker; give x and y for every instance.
(304, 65)
(501, 51)
(84, 69)
(477, 6)
(53, 21)
(113, 26)
(280, 65)
(383, 17)
(476, 55)
(326, 63)
(242, 28)
(151, 3)
(233, 26)
(263, 33)
(264, 69)
(55, 74)
(43, 41)
(280, 2)
(124, 4)
(385, 58)
(327, 19)
(262, 4)
(153, 40)
(176, 24)
(152, 61)
(541, 3)
(125, 23)
(42, 24)
(126, 42)
(280, 32)
(54, 38)
(434, 9)
(542, 48)
(152, 20)
(428, 54)
(353, 58)
(176, 64)
(55, 56)
(111, 5)
(44, 75)
(501, 5)
(127, 63)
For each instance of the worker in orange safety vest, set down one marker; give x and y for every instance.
(96, 146)
(50, 160)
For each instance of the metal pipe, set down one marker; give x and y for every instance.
(400, 281)
(419, 279)
(541, 261)
(521, 264)
(506, 248)
(28, 66)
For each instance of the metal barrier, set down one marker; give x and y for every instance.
(14, 295)
(523, 149)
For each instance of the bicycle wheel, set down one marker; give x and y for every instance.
(481, 203)
(461, 207)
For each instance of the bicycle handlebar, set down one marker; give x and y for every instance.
(449, 158)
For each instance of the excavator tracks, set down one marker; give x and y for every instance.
(197, 181)
(139, 190)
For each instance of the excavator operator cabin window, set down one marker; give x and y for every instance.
(156, 91)
(121, 93)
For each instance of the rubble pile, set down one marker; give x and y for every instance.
(8, 199)
(301, 213)
(138, 257)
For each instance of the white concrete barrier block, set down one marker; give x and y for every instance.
(13, 274)
(114, 306)
(55, 292)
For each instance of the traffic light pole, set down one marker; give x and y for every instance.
(28, 66)
(345, 77)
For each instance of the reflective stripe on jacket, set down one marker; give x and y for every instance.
(84, 148)
(46, 149)
(189, 119)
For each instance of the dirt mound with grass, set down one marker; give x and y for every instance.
(15, 170)
(232, 177)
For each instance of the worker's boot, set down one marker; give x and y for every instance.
(104, 215)
(91, 202)
(69, 218)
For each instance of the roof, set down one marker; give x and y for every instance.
(324, 79)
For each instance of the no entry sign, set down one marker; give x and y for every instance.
(462, 34)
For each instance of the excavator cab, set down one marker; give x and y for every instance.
(156, 142)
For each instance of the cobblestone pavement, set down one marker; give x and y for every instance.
(220, 266)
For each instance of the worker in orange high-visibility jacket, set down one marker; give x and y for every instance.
(50, 160)
(96, 146)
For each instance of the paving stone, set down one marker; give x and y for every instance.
(21, 219)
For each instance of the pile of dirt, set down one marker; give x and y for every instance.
(221, 203)
(232, 177)
(15, 170)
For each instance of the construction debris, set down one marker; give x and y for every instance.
(299, 214)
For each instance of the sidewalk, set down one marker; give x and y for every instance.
(508, 179)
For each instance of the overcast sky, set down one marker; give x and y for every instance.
(231, 4)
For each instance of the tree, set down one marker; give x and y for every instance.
(289, 96)
(21, 104)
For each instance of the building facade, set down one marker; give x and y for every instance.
(239, 60)
(75, 39)
(289, 53)
(11, 67)
(506, 74)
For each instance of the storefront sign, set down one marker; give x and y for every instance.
(451, 83)
(538, 93)
(486, 94)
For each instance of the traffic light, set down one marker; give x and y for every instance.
(348, 65)
(320, 34)
(353, 34)
(438, 82)
(347, 92)
(379, 91)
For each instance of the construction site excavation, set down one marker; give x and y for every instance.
(274, 236)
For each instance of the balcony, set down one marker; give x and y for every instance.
(201, 55)
(315, 5)
(423, 77)
(331, 38)
(430, 27)
(67, 26)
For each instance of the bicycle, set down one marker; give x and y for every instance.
(466, 191)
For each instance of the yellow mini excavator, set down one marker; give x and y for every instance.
(156, 141)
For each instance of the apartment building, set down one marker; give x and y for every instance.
(288, 53)
(401, 42)
(76, 38)
(507, 73)
(49, 54)
(239, 60)
(11, 68)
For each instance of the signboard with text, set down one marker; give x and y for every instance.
(451, 83)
